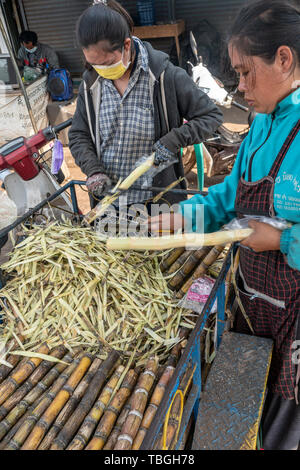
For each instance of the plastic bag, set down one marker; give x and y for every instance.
(57, 157)
(8, 210)
(276, 222)
(146, 180)
(198, 294)
(30, 73)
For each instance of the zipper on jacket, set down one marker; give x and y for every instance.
(254, 153)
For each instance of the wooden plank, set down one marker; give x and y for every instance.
(159, 31)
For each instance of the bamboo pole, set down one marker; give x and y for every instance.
(188, 240)
(89, 424)
(74, 422)
(153, 406)
(168, 262)
(44, 423)
(34, 378)
(47, 398)
(201, 270)
(135, 416)
(185, 269)
(109, 418)
(18, 411)
(11, 383)
(69, 406)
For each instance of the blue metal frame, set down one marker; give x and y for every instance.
(191, 355)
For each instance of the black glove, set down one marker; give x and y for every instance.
(162, 154)
(98, 183)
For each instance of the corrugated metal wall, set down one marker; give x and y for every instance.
(54, 21)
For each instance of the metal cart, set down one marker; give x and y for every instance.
(222, 419)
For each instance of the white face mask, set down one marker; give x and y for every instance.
(31, 51)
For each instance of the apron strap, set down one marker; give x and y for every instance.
(285, 148)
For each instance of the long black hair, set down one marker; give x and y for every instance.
(263, 26)
(107, 21)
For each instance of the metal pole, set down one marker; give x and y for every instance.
(19, 78)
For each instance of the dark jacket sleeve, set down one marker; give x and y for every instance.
(80, 140)
(203, 116)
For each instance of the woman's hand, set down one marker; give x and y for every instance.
(165, 224)
(264, 238)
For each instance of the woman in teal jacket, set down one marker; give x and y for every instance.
(265, 51)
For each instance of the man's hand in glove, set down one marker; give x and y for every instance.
(163, 155)
(98, 183)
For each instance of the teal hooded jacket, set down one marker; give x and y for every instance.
(267, 134)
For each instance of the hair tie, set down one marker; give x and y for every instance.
(104, 2)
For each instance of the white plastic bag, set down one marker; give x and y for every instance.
(8, 210)
(276, 222)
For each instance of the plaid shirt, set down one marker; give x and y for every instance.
(127, 126)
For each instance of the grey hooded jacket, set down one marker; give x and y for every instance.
(175, 98)
(42, 54)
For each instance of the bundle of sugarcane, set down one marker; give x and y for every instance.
(78, 394)
(76, 419)
(40, 403)
(10, 416)
(110, 416)
(184, 267)
(66, 288)
(90, 422)
(138, 405)
(70, 406)
(212, 256)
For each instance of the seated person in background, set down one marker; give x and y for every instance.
(34, 54)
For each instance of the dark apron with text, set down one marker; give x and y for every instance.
(269, 287)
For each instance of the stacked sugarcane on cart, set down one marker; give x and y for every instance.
(96, 351)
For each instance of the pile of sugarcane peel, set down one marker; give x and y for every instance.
(65, 288)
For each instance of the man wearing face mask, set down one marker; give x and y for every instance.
(34, 54)
(132, 102)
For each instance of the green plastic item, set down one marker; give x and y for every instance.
(200, 165)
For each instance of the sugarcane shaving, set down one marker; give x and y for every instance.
(65, 287)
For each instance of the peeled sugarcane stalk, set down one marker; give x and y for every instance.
(108, 420)
(18, 411)
(202, 268)
(38, 409)
(135, 416)
(74, 422)
(188, 240)
(69, 406)
(44, 423)
(185, 269)
(129, 181)
(11, 383)
(89, 424)
(168, 262)
(113, 437)
(11, 359)
(34, 378)
(153, 406)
